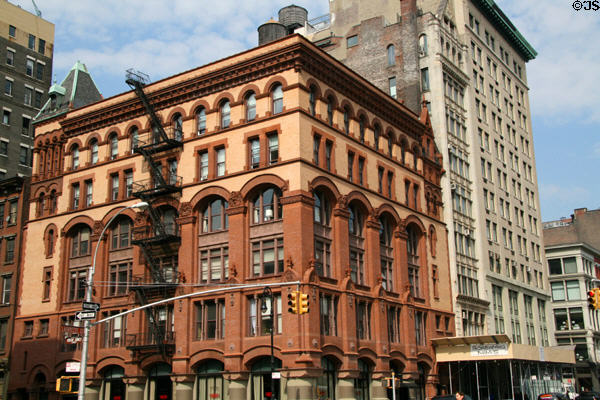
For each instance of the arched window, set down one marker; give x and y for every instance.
(346, 120)
(390, 143)
(363, 382)
(423, 45)
(330, 105)
(75, 156)
(114, 387)
(322, 209)
(277, 98)
(376, 135)
(412, 253)
(210, 374)
(322, 232)
(250, 106)
(386, 252)
(357, 245)
(41, 206)
(121, 234)
(201, 120)
(403, 152)
(361, 128)
(53, 201)
(77, 274)
(169, 216)
(415, 158)
(80, 241)
(50, 243)
(266, 206)
(93, 151)
(214, 216)
(214, 251)
(225, 114)
(134, 136)
(313, 100)
(327, 380)
(391, 55)
(114, 146)
(178, 127)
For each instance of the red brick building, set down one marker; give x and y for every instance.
(274, 165)
(14, 210)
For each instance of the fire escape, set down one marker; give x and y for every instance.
(159, 241)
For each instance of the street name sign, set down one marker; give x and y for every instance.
(90, 306)
(85, 315)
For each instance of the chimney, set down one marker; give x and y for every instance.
(579, 212)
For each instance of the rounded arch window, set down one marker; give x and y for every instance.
(41, 204)
(75, 156)
(312, 100)
(386, 251)
(266, 206)
(412, 253)
(347, 120)
(376, 135)
(250, 106)
(178, 126)
(93, 151)
(330, 106)
(210, 380)
(322, 208)
(214, 216)
(114, 146)
(113, 383)
(121, 233)
(53, 201)
(361, 128)
(277, 98)
(423, 45)
(391, 55)
(415, 157)
(355, 220)
(50, 242)
(225, 114)
(80, 241)
(201, 121)
(134, 136)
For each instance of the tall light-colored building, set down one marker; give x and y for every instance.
(572, 247)
(466, 60)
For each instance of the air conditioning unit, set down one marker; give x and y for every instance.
(514, 263)
(269, 213)
(452, 186)
(451, 149)
(528, 269)
(467, 232)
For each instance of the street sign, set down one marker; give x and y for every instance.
(90, 306)
(85, 315)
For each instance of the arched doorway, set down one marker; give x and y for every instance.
(401, 389)
(423, 371)
(38, 391)
(113, 387)
(261, 379)
(160, 386)
(363, 382)
(211, 384)
(327, 381)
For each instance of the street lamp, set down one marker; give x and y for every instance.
(267, 293)
(88, 298)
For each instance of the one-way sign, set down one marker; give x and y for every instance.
(85, 315)
(90, 306)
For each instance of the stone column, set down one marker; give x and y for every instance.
(301, 388)
(345, 389)
(237, 389)
(135, 389)
(183, 390)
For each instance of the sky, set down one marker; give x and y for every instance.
(166, 37)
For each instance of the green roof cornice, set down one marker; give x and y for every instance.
(506, 28)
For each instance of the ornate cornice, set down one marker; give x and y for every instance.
(300, 54)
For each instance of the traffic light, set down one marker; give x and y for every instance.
(303, 306)
(293, 302)
(67, 384)
(594, 298)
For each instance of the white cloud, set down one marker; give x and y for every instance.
(557, 200)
